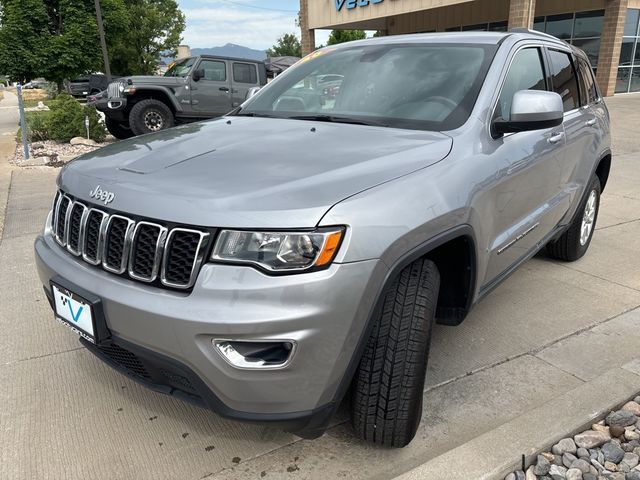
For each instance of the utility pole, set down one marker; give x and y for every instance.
(105, 55)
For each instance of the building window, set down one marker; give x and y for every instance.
(628, 79)
(582, 29)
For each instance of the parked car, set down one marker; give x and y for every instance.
(33, 85)
(77, 87)
(192, 89)
(269, 262)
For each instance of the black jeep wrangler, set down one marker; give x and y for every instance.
(192, 89)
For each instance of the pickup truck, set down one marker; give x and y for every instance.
(192, 89)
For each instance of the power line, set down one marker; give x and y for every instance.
(258, 8)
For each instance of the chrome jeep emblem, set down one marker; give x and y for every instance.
(103, 195)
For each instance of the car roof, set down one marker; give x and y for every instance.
(235, 59)
(470, 37)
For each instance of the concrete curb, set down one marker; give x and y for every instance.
(493, 455)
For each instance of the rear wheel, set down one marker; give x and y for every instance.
(118, 129)
(388, 385)
(573, 243)
(148, 116)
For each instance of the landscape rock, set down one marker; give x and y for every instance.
(83, 141)
(612, 453)
(622, 418)
(630, 434)
(601, 428)
(598, 466)
(616, 430)
(542, 466)
(582, 453)
(568, 459)
(520, 475)
(589, 476)
(566, 445)
(558, 473)
(633, 475)
(590, 439)
(511, 476)
(633, 407)
(573, 474)
(631, 459)
(581, 465)
(549, 456)
(530, 475)
(612, 467)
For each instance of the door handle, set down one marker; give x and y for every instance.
(224, 89)
(555, 137)
(590, 123)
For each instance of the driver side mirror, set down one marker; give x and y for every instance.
(198, 74)
(531, 110)
(252, 92)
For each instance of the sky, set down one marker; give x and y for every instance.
(250, 23)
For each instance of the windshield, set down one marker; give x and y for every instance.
(428, 87)
(180, 68)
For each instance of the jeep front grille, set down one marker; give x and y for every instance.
(113, 90)
(143, 250)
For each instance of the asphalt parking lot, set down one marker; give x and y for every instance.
(545, 331)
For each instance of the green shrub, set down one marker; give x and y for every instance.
(37, 127)
(66, 120)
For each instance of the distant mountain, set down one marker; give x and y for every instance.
(228, 50)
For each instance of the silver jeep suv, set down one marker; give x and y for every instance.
(270, 262)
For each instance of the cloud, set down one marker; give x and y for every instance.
(213, 26)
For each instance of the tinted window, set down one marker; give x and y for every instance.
(590, 46)
(428, 87)
(631, 22)
(560, 26)
(213, 70)
(588, 81)
(588, 24)
(564, 79)
(244, 73)
(525, 73)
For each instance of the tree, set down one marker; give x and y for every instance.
(341, 36)
(287, 45)
(23, 38)
(73, 46)
(155, 28)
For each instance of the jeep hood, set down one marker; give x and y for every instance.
(154, 80)
(248, 172)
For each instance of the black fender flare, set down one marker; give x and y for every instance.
(175, 105)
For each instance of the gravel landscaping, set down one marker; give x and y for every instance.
(55, 154)
(610, 450)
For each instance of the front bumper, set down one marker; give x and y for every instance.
(324, 312)
(112, 107)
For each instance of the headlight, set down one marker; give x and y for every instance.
(279, 251)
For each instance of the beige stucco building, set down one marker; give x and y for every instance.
(608, 30)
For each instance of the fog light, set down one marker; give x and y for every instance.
(256, 355)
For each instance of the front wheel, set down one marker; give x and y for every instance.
(118, 129)
(573, 243)
(388, 385)
(148, 116)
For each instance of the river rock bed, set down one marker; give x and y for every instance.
(54, 154)
(610, 450)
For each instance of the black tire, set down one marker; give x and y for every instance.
(118, 129)
(572, 245)
(148, 116)
(387, 389)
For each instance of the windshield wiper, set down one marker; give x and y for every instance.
(338, 119)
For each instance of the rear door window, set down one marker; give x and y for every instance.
(245, 73)
(590, 90)
(564, 79)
